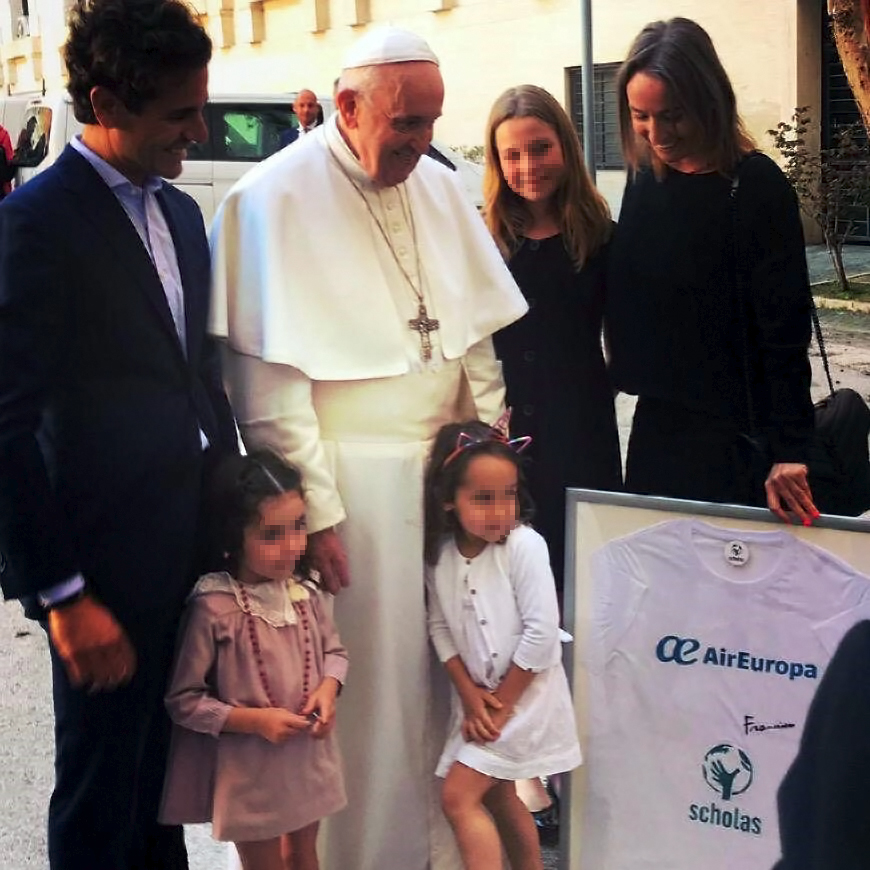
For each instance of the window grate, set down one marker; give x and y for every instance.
(839, 109)
(608, 149)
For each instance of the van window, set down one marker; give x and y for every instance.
(250, 134)
(32, 142)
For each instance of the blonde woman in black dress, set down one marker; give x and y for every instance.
(552, 226)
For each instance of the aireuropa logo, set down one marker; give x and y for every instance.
(686, 651)
(728, 770)
(679, 650)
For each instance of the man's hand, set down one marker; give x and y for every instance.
(92, 645)
(328, 557)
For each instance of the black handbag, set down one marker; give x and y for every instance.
(838, 456)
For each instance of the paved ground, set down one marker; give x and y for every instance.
(25, 712)
(855, 257)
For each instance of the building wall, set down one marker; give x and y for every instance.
(486, 46)
(771, 49)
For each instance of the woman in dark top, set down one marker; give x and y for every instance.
(708, 300)
(552, 226)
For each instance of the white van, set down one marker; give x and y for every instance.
(243, 130)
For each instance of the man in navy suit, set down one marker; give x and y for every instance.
(309, 113)
(111, 408)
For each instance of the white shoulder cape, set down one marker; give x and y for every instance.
(297, 280)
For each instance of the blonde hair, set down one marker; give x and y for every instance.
(681, 55)
(581, 211)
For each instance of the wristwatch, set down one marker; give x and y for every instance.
(65, 602)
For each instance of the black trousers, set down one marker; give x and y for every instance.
(677, 452)
(111, 750)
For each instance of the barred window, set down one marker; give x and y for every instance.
(608, 151)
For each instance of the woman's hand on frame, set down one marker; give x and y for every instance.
(787, 488)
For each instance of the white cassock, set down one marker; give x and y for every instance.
(322, 366)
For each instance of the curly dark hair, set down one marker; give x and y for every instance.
(239, 486)
(130, 47)
(441, 482)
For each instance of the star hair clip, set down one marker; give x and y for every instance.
(499, 431)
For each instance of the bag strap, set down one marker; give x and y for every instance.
(820, 341)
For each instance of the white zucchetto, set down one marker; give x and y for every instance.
(385, 45)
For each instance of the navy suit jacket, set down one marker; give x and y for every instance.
(288, 137)
(100, 410)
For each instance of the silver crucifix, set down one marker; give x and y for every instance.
(423, 325)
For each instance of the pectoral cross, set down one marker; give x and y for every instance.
(423, 325)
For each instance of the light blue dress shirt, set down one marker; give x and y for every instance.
(141, 206)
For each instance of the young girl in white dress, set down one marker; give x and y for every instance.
(258, 669)
(494, 622)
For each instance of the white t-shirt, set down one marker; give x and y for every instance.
(707, 645)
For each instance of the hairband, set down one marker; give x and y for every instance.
(272, 479)
(499, 431)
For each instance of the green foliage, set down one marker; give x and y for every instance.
(474, 153)
(832, 184)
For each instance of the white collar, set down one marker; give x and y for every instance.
(272, 600)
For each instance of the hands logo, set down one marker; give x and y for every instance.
(727, 770)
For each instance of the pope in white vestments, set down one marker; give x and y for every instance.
(357, 289)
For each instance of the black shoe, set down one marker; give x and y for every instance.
(547, 823)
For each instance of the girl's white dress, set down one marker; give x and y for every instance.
(497, 608)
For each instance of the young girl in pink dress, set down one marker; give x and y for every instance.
(494, 622)
(257, 673)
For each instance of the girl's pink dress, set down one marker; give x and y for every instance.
(247, 787)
